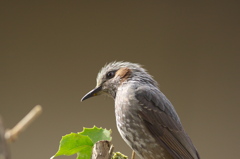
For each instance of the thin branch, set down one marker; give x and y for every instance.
(11, 135)
(111, 150)
(133, 155)
(4, 150)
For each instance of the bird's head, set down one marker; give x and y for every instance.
(114, 74)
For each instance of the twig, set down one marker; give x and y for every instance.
(11, 135)
(4, 150)
(111, 151)
(133, 155)
(102, 150)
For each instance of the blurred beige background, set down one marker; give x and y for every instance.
(51, 52)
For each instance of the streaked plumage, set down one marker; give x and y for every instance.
(146, 119)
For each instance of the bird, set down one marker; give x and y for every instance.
(145, 118)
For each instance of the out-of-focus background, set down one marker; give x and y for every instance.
(51, 52)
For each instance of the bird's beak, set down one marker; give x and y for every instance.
(92, 93)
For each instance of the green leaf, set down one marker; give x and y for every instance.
(119, 155)
(75, 143)
(97, 134)
(82, 143)
(85, 153)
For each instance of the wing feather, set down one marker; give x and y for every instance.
(162, 121)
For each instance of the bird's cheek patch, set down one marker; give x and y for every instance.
(123, 73)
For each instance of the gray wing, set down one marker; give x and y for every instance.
(162, 121)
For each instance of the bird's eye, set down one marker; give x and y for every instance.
(110, 74)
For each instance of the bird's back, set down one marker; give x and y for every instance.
(148, 122)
